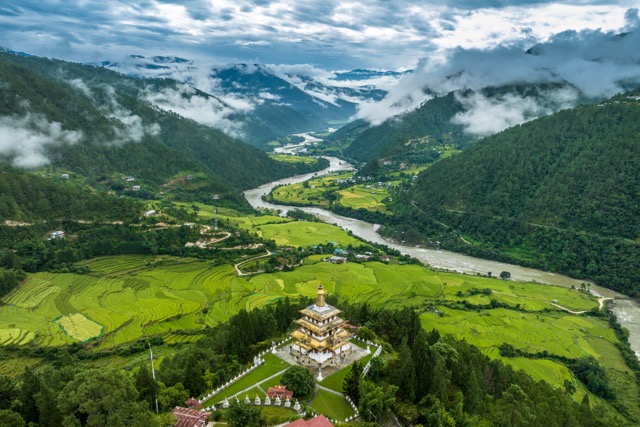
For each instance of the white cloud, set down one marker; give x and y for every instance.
(598, 63)
(133, 129)
(485, 116)
(208, 111)
(25, 139)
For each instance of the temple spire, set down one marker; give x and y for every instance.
(320, 300)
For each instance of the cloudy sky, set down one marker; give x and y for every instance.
(330, 34)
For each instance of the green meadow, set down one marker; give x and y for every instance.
(361, 197)
(286, 158)
(312, 192)
(331, 405)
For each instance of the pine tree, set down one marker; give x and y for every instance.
(49, 415)
(146, 385)
(422, 363)
(29, 386)
(351, 385)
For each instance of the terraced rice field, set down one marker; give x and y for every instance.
(127, 297)
(133, 296)
(77, 326)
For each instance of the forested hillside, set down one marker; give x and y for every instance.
(93, 121)
(27, 197)
(559, 193)
(432, 120)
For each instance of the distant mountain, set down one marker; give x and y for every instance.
(99, 123)
(268, 103)
(365, 74)
(560, 192)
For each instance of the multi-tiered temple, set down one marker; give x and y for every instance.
(321, 336)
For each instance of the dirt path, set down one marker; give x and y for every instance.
(566, 309)
(237, 266)
(601, 301)
(11, 223)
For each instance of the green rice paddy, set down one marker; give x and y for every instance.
(134, 296)
(128, 297)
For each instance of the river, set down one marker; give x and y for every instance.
(628, 312)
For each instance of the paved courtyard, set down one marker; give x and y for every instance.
(328, 367)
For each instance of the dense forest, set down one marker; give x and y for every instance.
(559, 193)
(423, 378)
(98, 123)
(27, 197)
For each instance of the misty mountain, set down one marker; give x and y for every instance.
(596, 63)
(457, 118)
(98, 123)
(559, 192)
(365, 74)
(267, 102)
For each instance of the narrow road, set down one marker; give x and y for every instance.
(237, 266)
(601, 301)
(566, 309)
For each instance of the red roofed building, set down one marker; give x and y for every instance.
(319, 421)
(192, 402)
(279, 391)
(186, 417)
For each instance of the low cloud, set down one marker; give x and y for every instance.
(208, 111)
(599, 64)
(133, 129)
(25, 139)
(485, 116)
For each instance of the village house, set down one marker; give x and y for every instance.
(130, 179)
(57, 235)
(336, 259)
(64, 176)
(136, 188)
(152, 212)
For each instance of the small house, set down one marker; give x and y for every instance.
(57, 235)
(336, 259)
(186, 417)
(64, 176)
(136, 188)
(130, 179)
(279, 391)
(193, 403)
(384, 258)
(152, 212)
